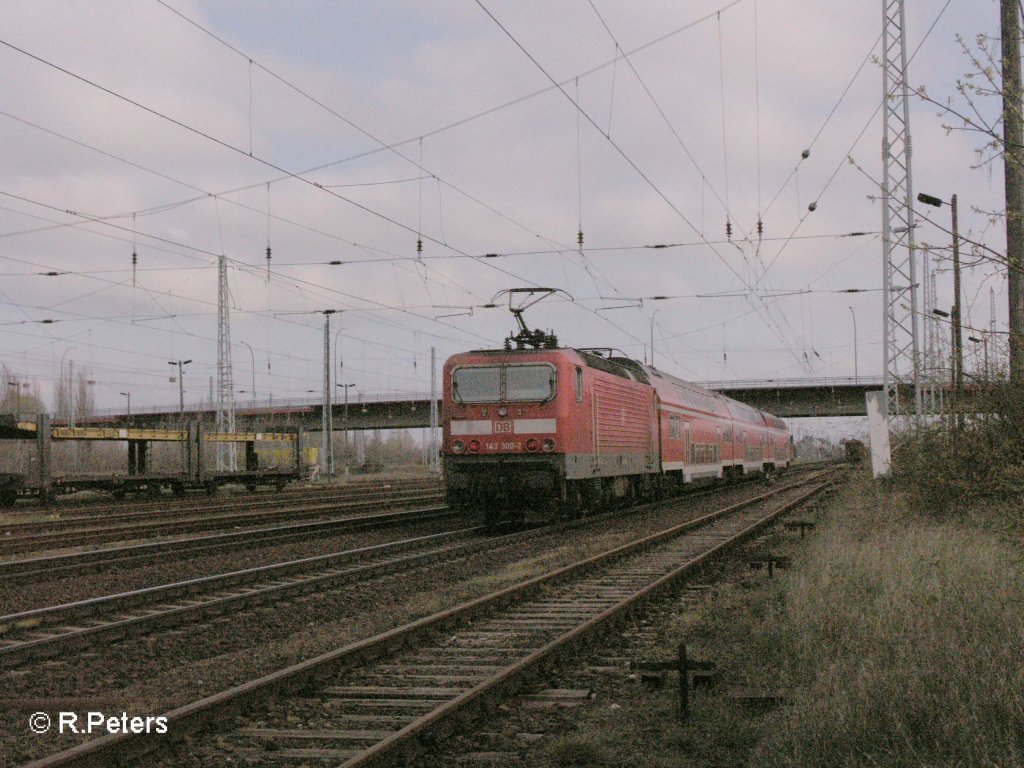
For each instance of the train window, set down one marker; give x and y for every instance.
(477, 384)
(579, 385)
(529, 382)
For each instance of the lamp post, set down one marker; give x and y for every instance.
(856, 374)
(653, 315)
(128, 416)
(253, 358)
(344, 427)
(70, 389)
(958, 349)
(17, 395)
(954, 394)
(181, 404)
(984, 342)
(327, 421)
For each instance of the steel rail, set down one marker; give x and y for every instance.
(172, 505)
(215, 512)
(195, 716)
(44, 632)
(80, 537)
(50, 566)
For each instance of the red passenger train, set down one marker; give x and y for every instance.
(529, 433)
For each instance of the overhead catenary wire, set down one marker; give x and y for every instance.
(770, 324)
(249, 60)
(857, 139)
(384, 146)
(293, 255)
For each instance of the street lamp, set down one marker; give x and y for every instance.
(653, 315)
(70, 390)
(958, 349)
(326, 421)
(344, 426)
(17, 394)
(253, 358)
(128, 416)
(181, 405)
(984, 342)
(856, 375)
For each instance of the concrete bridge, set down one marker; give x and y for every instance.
(788, 398)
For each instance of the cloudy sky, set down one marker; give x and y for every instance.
(344, 132)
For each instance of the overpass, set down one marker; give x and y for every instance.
(788, 398)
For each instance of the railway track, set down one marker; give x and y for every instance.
(13, 572)
(54, 630)
(370, 702)
(55, 535)
(49, 631)
(45, 567)
(97, 508)
(169, 505)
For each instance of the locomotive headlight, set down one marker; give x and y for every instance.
(549, 444)
(532, 444)
(503, 412)
(474, 446)
(458, 446)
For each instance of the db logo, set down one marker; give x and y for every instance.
(503, 427)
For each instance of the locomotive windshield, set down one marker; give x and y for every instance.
(494, 383)
(529, 382)
(477, 384)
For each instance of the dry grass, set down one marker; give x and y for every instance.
(905, 650)
(900, 637)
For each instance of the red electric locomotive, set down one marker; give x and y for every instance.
(530, 433)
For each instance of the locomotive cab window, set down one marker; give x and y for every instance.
(579, 385)
(477, 384)
(529, 382)
(497, 383)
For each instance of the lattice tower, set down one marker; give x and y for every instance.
(901, 369)
(226, 457)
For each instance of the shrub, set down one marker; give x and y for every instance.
(975, 452)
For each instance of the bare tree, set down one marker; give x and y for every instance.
(19, 394)
(996, 74)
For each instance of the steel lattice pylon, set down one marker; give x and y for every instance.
(226, 456)
(900, 320)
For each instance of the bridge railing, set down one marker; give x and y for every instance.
(834, 381)
(278, 405)
(275, 405)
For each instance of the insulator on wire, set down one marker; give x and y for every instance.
(728, 229)
(419, 245)
(579, 237)
(760, 228)
(135, 260)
